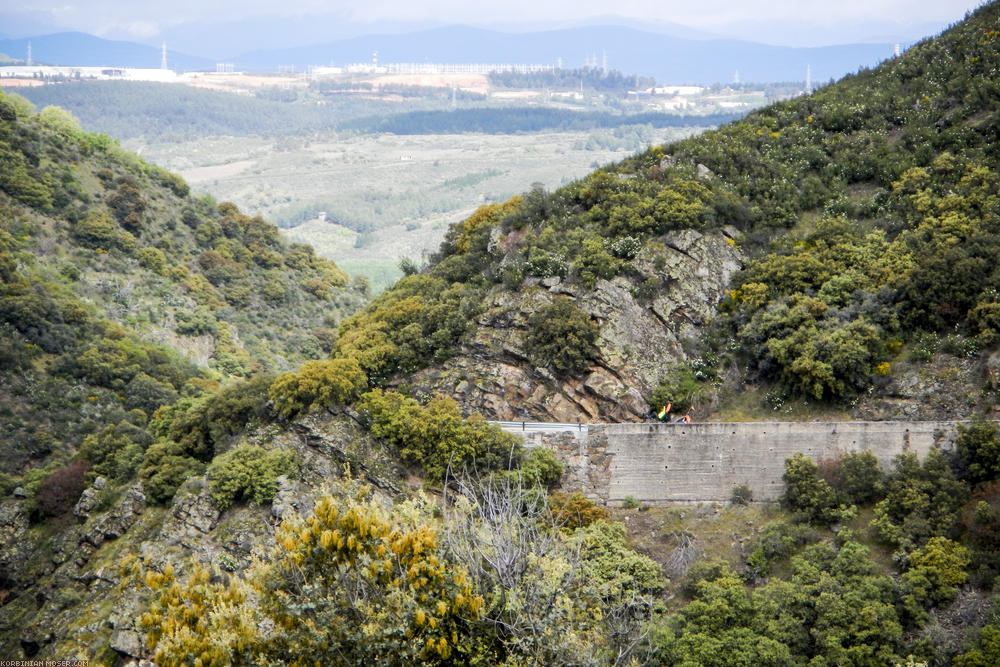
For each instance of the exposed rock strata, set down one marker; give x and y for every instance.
(639, 339)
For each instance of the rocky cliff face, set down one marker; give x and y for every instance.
(640, 337)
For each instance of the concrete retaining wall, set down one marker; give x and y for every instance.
(702, 462)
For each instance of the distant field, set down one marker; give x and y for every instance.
(385, 196)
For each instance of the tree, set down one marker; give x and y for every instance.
(934, 573)
(806, 492)
(979, 449)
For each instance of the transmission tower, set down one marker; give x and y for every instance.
(809, 86)
(163, 56)
(29, 63)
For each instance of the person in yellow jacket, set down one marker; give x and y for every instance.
(664, 414)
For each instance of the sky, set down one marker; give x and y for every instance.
(790, 22)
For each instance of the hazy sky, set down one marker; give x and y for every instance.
(787, 21)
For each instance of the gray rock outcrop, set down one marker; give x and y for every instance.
(640, 338)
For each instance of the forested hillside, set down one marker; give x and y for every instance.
(865, 218)
(121, 294)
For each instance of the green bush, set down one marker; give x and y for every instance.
(152, 259)
(318, 383)
(806, 493)
(165, 467)
(116, 451)
(979, 449)
(541, 468)
(248, 473)
(741, 495)
(197, 322)
(436, 437)
(860, 479)
(201, 427)
(561, 337)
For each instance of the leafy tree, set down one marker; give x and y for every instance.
(541, 468)
(860, 479)
(116, 451)
(436, 437)
(934, 573)
(979, 449)
(806, 492)
(921, 501)
(166, 466)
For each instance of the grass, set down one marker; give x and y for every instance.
(754, 404)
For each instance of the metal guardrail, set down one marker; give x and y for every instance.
(540, 426)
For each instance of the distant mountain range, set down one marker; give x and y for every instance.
(77, 49)
(670, 59)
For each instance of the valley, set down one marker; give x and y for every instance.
(386, 197)
(222, 449)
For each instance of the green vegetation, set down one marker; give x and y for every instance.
(248, 473)
(868, 212)
(318, 383)
(436, 437)
(357, 583)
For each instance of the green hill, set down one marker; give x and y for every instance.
(865, 218)
(121, 293)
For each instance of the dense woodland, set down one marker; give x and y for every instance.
(869, 213)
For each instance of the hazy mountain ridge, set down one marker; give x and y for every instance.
(670, 59)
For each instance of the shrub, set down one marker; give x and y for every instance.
(561, 337)
(861, 480)
(197, 322)
(935, 572)
(806, 493)
(541, 468)
(165, 467)
(116, 451)
(201, 427)
(573, 511)
(152, 259)
(61, 489)
(318, 383)
(979, 448)
(436, 437)
(741, 494)
(248, 473)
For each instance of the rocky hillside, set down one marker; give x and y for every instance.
(838, 249)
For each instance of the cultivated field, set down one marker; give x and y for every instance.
(385, 196)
